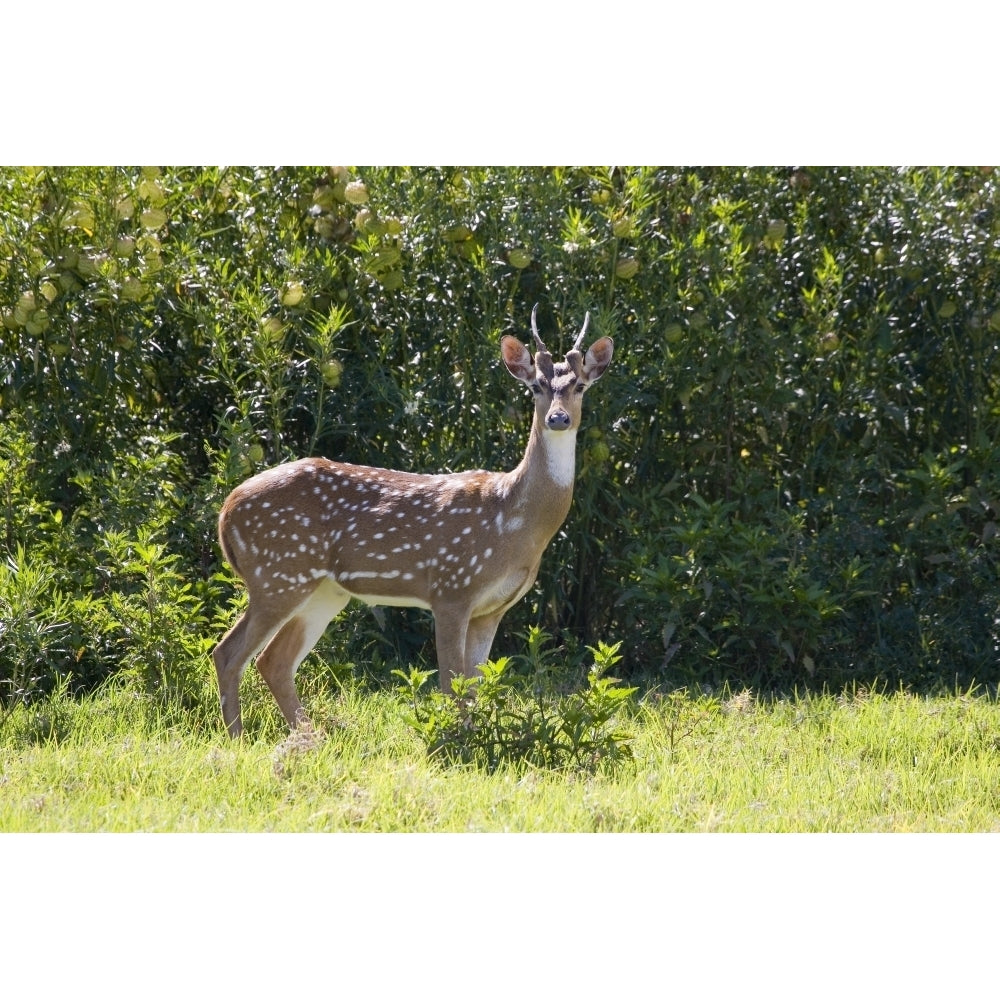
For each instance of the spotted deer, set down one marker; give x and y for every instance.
(309, 535)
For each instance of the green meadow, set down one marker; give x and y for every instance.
(863, 762)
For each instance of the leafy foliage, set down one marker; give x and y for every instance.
(487, 721)
(788, 477)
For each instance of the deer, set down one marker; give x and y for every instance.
(307, 536)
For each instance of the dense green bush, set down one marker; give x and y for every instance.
(788, 477)
(488, 721)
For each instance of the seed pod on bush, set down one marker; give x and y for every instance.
(356, 193)
(627, 267)
(150, 191)
(132, 289)
(325, 227)
(364, 220)
(331, 371)
(24, 308)
(622, 227)
(272, 328)
(324, 197)
(82, 215)
(153, 218)
(599, 452)
(519, 257)
(775, 234)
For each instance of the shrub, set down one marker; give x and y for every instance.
(488, 721)
(789, 475)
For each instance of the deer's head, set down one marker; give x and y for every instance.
(558, 387)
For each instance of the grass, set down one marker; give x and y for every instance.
(120, 760)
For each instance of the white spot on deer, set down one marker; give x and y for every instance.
(359, 574)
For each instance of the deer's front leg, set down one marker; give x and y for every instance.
(479, 641)
(450, 631)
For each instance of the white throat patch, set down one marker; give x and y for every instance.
(560, 455)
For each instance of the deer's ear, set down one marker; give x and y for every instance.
(598, 358)
(517, 358)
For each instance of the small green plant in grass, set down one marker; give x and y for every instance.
(488, 720)
(683, 715)
(34, 629)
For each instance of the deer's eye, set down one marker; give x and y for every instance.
(536, 388)
(579, 388)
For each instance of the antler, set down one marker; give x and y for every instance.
(583, 330)
(543, 360)
(534, 330)
(574, 358)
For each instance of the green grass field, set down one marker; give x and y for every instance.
(120, 761)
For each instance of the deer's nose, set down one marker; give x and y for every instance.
(557, 420)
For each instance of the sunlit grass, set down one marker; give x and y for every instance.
(118, 761)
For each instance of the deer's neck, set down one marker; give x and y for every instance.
(543, 481)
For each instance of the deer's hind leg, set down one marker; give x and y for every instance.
(280, 660)
(235, 650)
